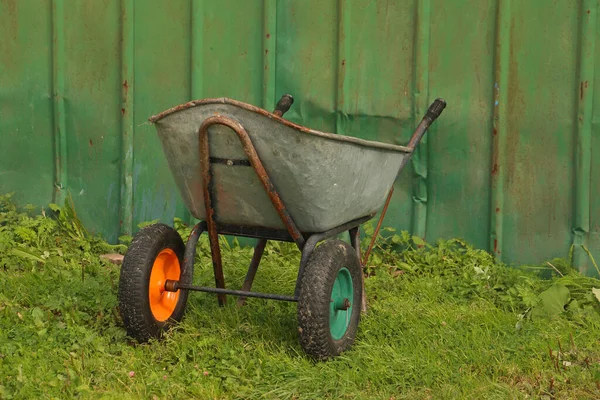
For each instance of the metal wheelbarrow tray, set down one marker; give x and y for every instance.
(323, 179)
(245, 171)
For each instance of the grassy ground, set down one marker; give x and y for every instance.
(444, 322)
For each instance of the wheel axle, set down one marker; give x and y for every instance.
(343, 304)
(171, 285)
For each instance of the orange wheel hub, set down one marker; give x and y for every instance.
(162, 302)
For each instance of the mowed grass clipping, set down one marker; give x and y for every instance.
(444, 322)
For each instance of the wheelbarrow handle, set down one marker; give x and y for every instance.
(434, 111)
(283, 105)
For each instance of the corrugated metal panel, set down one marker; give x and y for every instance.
(512, 165)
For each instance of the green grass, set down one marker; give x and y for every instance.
(444, 322)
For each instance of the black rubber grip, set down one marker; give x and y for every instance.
(435, 109)
(284, 104)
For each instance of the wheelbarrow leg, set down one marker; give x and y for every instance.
(213, 235)
(215, 253)
(355, 241)
(258, 252)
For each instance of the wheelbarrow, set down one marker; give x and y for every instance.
(247, 172)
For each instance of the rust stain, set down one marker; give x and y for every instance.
(91, 144)
(343, 63)
(581, 90)
(122, 111)
(269, 35)
(495, 169)
(495, 132)
(126, 87)
(526, 206)
(225, 199)
(266, 51)
(11, 6)
(497, 209)
(10, 31)
(496, 246)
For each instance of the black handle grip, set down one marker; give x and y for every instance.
(435, 109)
(283, 105)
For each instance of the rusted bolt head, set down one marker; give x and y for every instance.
(343, 305)
(171, 285)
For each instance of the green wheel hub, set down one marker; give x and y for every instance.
(340, 306)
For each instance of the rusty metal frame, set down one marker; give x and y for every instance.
(212, 227)
(351, 227)
(376, 233)
(256, 163)
(306, 242)
(256, 257)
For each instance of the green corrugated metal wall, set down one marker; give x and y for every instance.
(512, 166)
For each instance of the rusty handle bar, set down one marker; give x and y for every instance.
(283, 105)
(256, 163)
(434, 111)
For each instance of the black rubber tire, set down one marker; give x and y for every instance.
(314, 299)
(134, 304)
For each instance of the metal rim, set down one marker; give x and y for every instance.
(162, 302)
(333, 136)
(340, 305)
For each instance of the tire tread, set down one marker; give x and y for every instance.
(134, 305)
(315, 291)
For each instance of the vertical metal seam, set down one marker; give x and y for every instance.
(583, 150)
(196, 64)
(499, 124)
(196, 70)
(420, 103)
(269, 38)
(127, 127)
(58, 102)
(341, 93)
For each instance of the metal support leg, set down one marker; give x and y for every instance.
(307, 250)
(213, 235)
(355, 241)
(314, 239)
(215, 252)
(374, 238)
(190, 246)
(258, 252)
